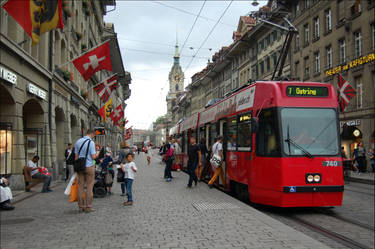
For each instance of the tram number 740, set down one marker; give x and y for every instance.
(331, 163)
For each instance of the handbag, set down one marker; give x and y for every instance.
(215, 160)
(80, 163)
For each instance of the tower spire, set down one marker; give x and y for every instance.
(176, 52)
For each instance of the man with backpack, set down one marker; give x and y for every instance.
(85, 148)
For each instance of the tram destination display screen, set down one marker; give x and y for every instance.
(307, 91)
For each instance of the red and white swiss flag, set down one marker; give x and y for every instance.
(93, 61)
(345, 92)
(117, 114)
(105, 88)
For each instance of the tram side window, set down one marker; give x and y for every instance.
(244, 133)
(267, 135)
(232, 134)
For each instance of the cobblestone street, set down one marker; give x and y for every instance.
(164, 215)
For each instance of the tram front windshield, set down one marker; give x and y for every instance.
(309, 132)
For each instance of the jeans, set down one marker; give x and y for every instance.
(123, 187)
(68, 169)
(129, 185)
(168, 169)
(86, 177)
(191, 170)
(47, 180)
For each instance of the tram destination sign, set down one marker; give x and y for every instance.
(307, 91)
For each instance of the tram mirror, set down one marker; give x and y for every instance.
(254, 125)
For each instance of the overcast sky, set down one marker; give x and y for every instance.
(147, 36)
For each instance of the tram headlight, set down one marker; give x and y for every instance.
(316, 178)
(310, 178)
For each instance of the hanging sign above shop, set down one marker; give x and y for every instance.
(8, 76)
(354, 122)
(33, 89)
(352, 64)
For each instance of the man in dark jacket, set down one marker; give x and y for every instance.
(69, 160)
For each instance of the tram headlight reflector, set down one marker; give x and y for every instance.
(316, 178)
(310, 178)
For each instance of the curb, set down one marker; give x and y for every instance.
(360, 180)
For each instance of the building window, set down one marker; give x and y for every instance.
(297, 9)
(340, 10)
(328, 20)
(357, 44)
(268, 39)
(358, 83)
(316, 28)
(356, 7)
(274, 35)
(176, 87)
(274, 58)
(268, 63)
(254, 72)
(297, 42)
(262, 67)
(307, 4)
(307, 34)
(329, 56)
(296, 68)
(342, 51)
(307, 68)
(317, 62)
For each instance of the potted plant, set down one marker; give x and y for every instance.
(67, 76)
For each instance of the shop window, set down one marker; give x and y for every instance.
(5, 148)
(268, 135)
(244, 132)
(232, 134)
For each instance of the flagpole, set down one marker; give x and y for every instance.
(83, 53)
(4, 2)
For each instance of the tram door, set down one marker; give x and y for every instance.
(223, 133)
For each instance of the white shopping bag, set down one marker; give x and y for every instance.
(67, 190)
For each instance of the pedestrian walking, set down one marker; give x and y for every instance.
(371, 155)
(121, 159)
(69, 161)
(129, 169)
(194, 154)
(217, 151)
(168, 157)
(149, 153)
(85, 148)
(360, 157)
(38, 172)
(204, 151)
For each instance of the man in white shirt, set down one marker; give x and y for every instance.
(217, 149)
(34, 172)
(5, 195)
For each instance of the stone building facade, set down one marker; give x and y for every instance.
(44, 101)
(339, 37)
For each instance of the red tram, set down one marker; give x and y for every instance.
(281, 143)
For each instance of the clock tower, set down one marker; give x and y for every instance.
(176, 82)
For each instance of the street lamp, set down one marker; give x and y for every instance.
(255, 3)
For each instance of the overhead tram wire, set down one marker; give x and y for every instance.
(209, 34)
(192, 27)
(153, 52)
(190, 13)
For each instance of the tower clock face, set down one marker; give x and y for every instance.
(177, 77)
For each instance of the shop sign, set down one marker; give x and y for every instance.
(33, 89)
(8, 76)
(354, 122)
(352, 64)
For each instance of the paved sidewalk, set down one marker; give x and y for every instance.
(164, 215)
(368, 177)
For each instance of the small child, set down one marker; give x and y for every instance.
(129, 169)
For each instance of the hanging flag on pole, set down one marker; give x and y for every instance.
(128, 133)
(106, 110)
(117, 114)
(105, 88)
(93, 61)
(345, 92)
(36, 17)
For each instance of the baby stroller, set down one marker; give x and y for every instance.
(99, 189)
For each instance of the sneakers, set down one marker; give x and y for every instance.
(122, 194)
(128, 203)
(195, 182)
(210, 185)
(188, 186)
(168, 179)
(81, 210)
(90, 210)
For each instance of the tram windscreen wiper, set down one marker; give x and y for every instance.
(290, 141)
